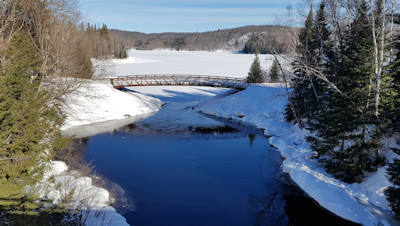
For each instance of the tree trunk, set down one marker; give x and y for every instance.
(381, 56)
(378, 56)
(391, 31)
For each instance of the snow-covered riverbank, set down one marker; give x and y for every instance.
(98, 102)
(263, 106)
(94, 107)
(84, 202)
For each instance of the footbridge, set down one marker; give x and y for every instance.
(179, 80)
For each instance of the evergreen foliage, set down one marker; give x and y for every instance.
(344, 129)
(335, 93)
(103, 31)
(306, 89)
(321, 35)
(391, 112)
(306, 37)
(255, 74)
(264, 44)
(393, 193)
(178, 43)
(274, 72)
(27, 121)
(121, 52)
(351, 110)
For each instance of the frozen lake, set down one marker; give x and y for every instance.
(141, 62)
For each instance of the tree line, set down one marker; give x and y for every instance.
(346, 87)
(229, 39)
(266, 44)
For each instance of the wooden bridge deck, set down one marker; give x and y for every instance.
(179, 80)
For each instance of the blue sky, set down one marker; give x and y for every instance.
(154, 16)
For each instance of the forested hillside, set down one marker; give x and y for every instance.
(226, 39)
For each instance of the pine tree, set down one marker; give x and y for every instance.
(391, 112)
(274, 71)
(305, 92)
(390, 100)
(321, 34)
(250, 45)
(28, 123)
(121, 53)
(255, 74)
(341, 120)
(344, 133)
(306, 37)
(393, 193)
(103, 31)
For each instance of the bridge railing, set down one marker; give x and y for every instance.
(188, 80)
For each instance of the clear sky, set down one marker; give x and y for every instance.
(155, 16)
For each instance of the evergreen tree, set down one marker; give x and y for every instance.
(306, 91)
(391, 83)
(321, 34)
(28, 123)
(306, 37)
(341, 119)
(391, 112)
(121, 53)
(345, 135)
(179, 43)
(274, 71)
(103, 31)
(393, 193)
(255, 74)
(250, 45)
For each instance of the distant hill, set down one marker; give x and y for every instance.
(227, 39)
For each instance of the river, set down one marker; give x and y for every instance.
(180, 167)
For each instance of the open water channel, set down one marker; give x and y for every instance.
(180, 167)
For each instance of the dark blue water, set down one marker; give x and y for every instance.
(196, 180)
(231, 178)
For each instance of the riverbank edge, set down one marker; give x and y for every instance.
(104, 109)
(263, 106)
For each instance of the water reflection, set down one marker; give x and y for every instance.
(251, 138)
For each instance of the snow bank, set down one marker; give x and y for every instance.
(263, 106)
(98, 101)
(73, 194)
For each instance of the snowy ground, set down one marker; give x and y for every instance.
(77, 193)
(97, 107)
(262, 106)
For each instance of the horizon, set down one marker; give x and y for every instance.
(180, 16)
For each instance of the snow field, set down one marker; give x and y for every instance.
(182, 62)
